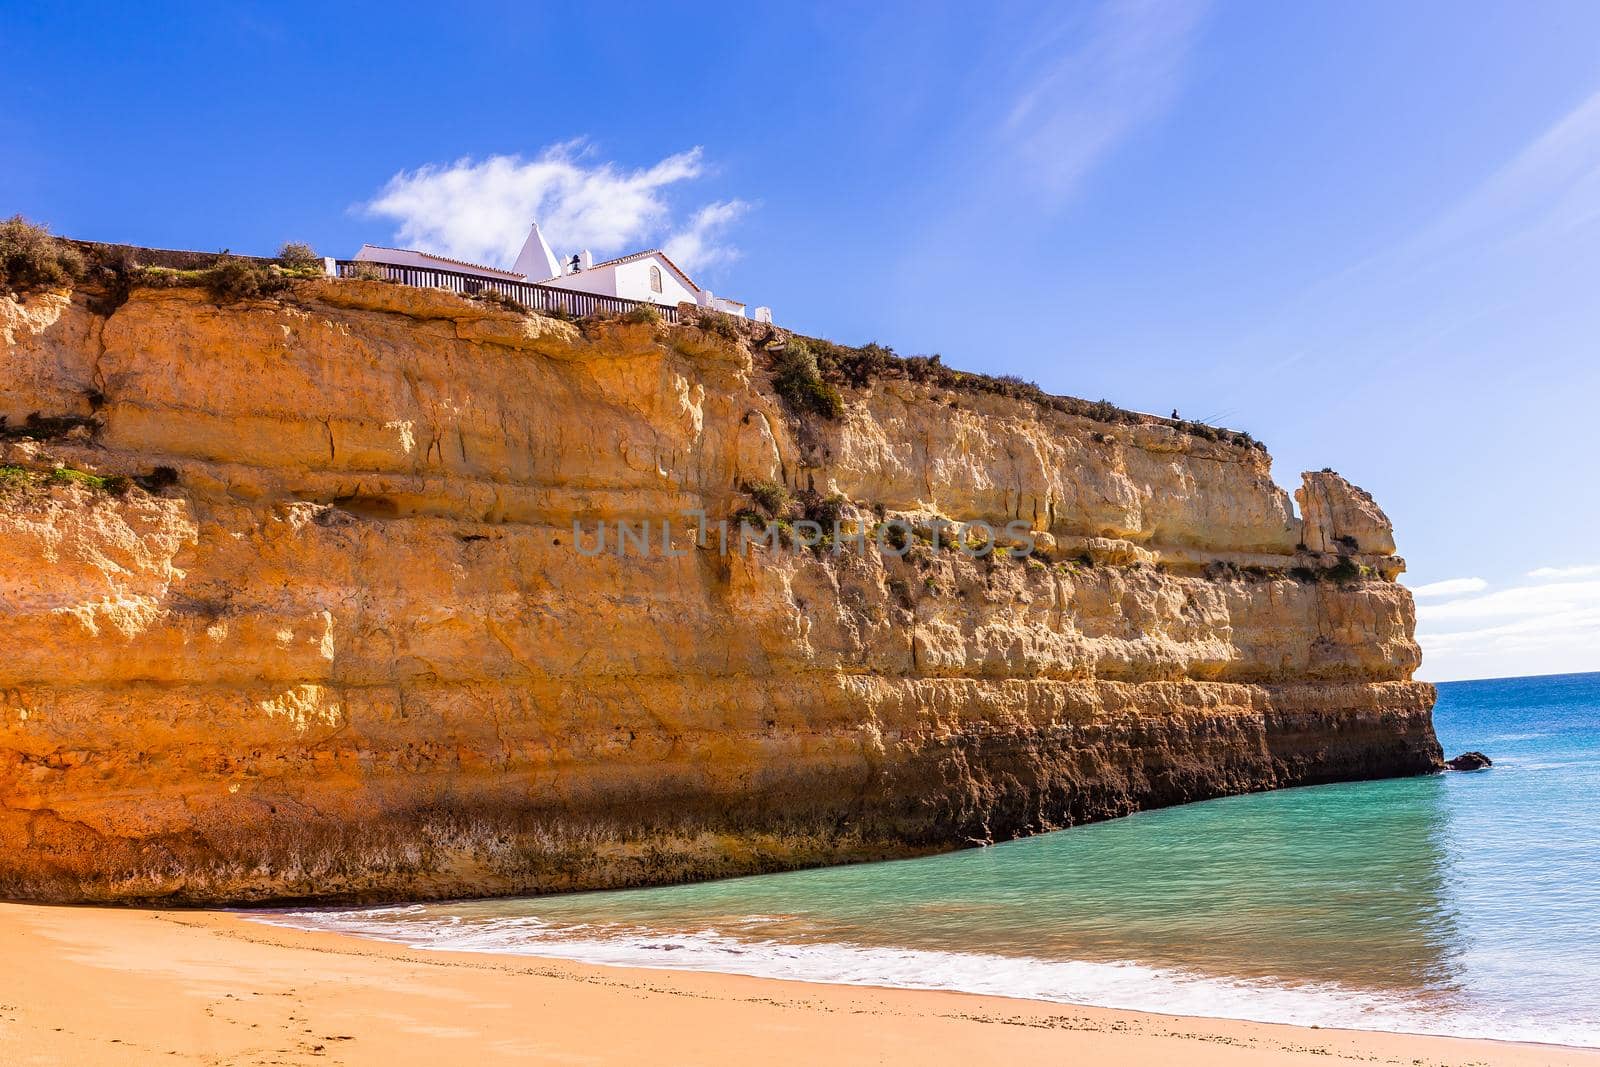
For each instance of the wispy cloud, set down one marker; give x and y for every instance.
(1451, 587)
(1581, 571)
(479, 209)
(1529, 629)
(1430, 285)
(1085, 92)
(700, 244)
(1519, 600)
(1552, 185)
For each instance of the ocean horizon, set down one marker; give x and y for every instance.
(1460, 904)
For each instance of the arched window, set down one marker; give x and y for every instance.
(655, 279)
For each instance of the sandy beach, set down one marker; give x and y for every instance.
(104, 986)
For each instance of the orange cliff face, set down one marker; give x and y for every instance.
(353, 651)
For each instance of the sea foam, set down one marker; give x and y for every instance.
(1119, 985)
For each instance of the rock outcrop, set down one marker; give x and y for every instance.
(356, 649)
(1342, 518)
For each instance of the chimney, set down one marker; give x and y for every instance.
(585, 259)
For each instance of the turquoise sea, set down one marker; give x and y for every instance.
(1456, 903)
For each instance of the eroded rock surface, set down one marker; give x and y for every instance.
(354, 651)
(1342, 518)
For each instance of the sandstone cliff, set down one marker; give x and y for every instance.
(337, 640)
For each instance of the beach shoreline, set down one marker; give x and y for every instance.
(102, 985)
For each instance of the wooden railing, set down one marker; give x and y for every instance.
(538, 297)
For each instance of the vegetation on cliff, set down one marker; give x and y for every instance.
(337, 642)
(807, 372)
(31, 258)
(859, 367)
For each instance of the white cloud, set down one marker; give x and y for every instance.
(1582, 571)
(1521, 600)
(1077, 105)
(699, 246)
(1556, 643)
(1548, 628)
(479, 209)
(1451, 587)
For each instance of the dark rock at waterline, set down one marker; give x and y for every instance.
(1469, 761)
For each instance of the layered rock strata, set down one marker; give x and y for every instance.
(335, 637)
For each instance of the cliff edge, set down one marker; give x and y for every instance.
(293, 607)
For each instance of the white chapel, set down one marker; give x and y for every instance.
(649, 276)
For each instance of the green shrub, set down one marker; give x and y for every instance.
(893, 534)
(823, 399)
(771, 497)
(233, 278)
(113, 484)
(798, 381)
(865, 365)
(367, 272)
(826, 512)
(642, 315)
(167, 278)
(114, 268)
(13, 478)
(72, 476)
(300, 256)
(30, 258)
(505, 300)
(715, 322)
(1346, 570)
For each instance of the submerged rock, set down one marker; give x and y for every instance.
(1469, 761)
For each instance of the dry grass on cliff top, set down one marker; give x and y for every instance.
(31, 258)
(859, 367)
(809, 373)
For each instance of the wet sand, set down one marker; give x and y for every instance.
(123, 986)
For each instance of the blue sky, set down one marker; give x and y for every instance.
(1366, 232)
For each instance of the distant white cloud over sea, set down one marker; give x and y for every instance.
(1549, 626)
(1451, 587)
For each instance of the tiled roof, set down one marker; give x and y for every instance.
(635, 256)
(509, 275)
(632, 257)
